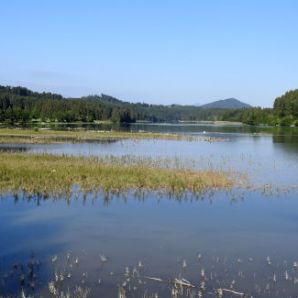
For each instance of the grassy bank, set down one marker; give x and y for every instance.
(49, 174)
(54, 136)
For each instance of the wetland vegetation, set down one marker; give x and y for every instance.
(49, 174)
(171, 211)
(21, 136)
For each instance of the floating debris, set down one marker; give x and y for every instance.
(268, 260)
(274, 278)
(54, 259)
(103, 258)
(286, 275)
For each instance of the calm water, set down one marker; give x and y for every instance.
(240, 240)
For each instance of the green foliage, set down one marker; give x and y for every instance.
(18, 104)
(55, 175)
(284, 112)
(287, 104)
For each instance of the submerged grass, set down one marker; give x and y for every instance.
(15, 135)
(47, 174)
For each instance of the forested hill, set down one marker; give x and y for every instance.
(229, 103)
(283, 113)
(19, 104)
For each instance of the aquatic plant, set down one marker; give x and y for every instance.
(45, 174)
(17, 136)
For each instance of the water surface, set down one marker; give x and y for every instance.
(241, 240)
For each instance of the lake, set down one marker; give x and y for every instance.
(242, 240)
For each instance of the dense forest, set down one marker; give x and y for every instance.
(283, 113)
(19, 104)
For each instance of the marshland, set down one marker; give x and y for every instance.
(169, 210)
(148, 149)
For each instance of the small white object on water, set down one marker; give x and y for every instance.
(121, 292)
(268, 259)
(77, 261)
(286, 275)
(56, 276)
(184, 265)
(103, 258)
(203, 273)
(54, 259)
(23, 294)
(274, 278)
(219, 293)
(135, 272)
(199, 257)
(203, 286)
(140, 264)
(174, 293)
(295, 265)
(126, 271)
(52, 288)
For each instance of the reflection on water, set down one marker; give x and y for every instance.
(185, 127)
(13, 148)
(248, 245)
(238, 242)
(266, 159)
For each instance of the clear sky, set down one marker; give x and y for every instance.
(156, 51)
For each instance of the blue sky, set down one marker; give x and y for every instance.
(157, 51)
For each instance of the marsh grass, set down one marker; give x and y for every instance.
(16, 135)
(47, 174)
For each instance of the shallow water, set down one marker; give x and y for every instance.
(234, 237)
(233, 232)
(267, 158)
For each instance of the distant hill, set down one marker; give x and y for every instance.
(229, 103)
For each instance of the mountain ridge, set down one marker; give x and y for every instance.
(228, 103)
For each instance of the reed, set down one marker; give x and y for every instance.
(49, 174)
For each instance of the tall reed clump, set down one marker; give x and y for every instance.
(50, 174)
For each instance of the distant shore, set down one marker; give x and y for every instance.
(31, 136)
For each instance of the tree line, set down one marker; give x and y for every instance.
(283, 113)
(19, 104)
